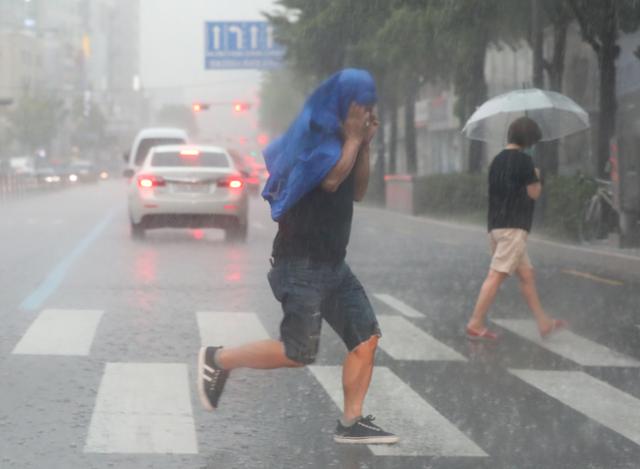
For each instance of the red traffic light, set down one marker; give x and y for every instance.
(197, 107)
(241, 106)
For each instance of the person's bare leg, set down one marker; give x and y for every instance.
(356, 377)
(530, 294)
(264, 355)
(487, 295)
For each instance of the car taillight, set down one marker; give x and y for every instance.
(148, 181)
(232, 183)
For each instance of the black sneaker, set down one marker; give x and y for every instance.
(364, 431)
(211, 379)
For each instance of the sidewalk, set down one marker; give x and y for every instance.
(600, 258)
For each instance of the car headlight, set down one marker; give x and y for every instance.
(73, 177)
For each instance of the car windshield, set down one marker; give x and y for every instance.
(191, 160)
(149, 143)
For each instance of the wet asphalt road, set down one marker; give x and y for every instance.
(142, 309)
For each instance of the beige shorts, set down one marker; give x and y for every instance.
(509, 250)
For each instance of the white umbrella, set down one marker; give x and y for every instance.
(556, 115)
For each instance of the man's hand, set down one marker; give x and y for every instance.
(372, 126)
(355, 126)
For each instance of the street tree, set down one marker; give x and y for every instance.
(554, 16)
(404, 57)
(281, 96)
(36, 119)
(465, 29)
(600, 24)
(89, 125)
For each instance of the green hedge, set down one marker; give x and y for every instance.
(566, 197)
(453, 194)
(466, 194)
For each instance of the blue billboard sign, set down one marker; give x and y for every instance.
(241, 44)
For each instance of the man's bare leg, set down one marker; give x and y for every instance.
(263, 355)
(356, 377)
(487, 295)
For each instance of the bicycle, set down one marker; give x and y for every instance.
(599, 216)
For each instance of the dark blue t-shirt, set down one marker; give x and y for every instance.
(510, 206)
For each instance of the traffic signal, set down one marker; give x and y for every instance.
(241, 106)
(198, 107)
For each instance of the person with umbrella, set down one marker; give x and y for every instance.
(514, 185)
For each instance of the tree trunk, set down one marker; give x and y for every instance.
(378, 188)
(536, 41)
(608, 102)
(410, 129)
(556, 70)
(477, 86)
(393, 136)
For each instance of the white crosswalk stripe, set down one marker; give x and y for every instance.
(404, 341)
(399, 306)
(60, 332)
(128, 418)
(423, 430)
(230, 329)
(569, 345)
(596, 399)
(143, 408)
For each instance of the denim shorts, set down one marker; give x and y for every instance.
(310, 291)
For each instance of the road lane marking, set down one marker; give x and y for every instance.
(398, 305)
(230, 329)
(568, 345)
(404, 341)
(143, 408)
(595, 278)
(596, 399)
(36, 298)
(423, 431)
(60, 332)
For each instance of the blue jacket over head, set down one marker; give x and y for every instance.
(301, 158)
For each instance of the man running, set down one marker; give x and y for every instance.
(317, 169)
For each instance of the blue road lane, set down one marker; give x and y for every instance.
(37, 297)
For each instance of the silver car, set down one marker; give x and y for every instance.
(189, 186)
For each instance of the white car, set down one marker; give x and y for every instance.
(149, 138)
(190, 186)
